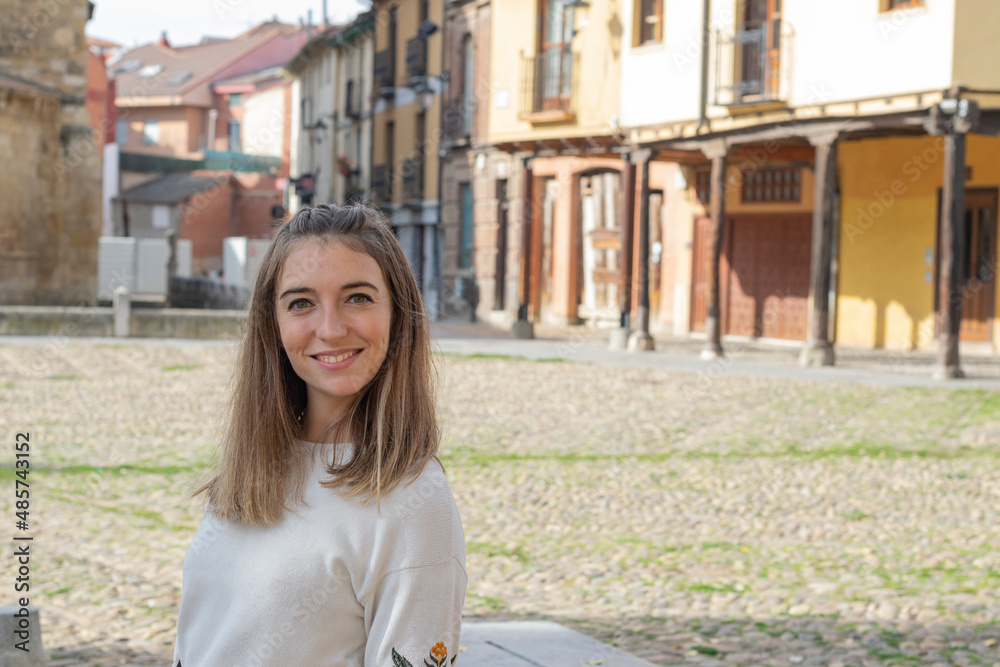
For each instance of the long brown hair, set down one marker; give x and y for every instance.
(391, 422)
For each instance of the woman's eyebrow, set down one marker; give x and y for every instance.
(310, 290)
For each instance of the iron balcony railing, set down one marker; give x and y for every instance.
(382, 183)
(412, 170)
(416, 57)
(385, 70)
(458, 114)
(352, 99)
(549, 82)
(751, 64)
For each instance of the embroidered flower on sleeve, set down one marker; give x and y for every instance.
(438, 657)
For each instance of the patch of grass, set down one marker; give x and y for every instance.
(181, 367)
(857, 515)
(706, 650)
(8, 385)
(493, 603)
(894, 656)
(892, 638)
(722, 546)
(713, 588)
(492, 550)
(58, 591)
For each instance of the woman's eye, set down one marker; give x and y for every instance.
(291, 306)
(365, 298)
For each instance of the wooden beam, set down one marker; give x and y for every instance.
(523, 328)
(713, 319)
(818, 350)
(950, 250)
(640, 340)
(627, 221)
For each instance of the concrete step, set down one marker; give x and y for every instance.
(536, 644)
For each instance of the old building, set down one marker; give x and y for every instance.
(332, 115)
(804, 174)
(50, 162)
(407, 132)
(167, 98)
(548, 171)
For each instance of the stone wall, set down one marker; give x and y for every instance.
(50, 163)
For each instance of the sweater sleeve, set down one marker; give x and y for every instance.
(417, 616)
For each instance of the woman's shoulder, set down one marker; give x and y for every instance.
(424, 496)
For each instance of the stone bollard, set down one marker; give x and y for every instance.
(20, 624)
(122, 307)
(618, 340)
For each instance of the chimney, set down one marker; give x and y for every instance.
(326, 20)
(163, 39)
(309, 24)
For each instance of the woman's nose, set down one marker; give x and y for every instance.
(332, 325)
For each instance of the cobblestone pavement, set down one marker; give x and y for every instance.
(688, 519)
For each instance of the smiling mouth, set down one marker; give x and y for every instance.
(337, 359)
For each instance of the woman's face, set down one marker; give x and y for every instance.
(333, 310)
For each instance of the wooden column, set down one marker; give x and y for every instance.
(715, 151)
(640, 340)
(625, 257)
(818, 351)
(950, 249)
(522, 327)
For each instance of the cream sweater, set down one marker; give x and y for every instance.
(334, 583)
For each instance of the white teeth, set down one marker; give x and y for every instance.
(338, 358)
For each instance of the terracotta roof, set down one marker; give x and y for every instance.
(172, 188)
(247, 83)
(154, 70)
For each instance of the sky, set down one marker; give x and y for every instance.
(135, 22)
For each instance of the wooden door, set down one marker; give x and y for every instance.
(977, 270)
(599, 255)
(768, 276)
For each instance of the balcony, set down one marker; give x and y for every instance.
(458, 114)
(416, 58)
(752, 66)
(385, 73)
(352, 100)
(549, 86)
(413, 180)
(382, 183)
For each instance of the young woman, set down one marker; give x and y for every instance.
(330, 535)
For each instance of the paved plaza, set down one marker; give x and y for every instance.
(741, 513)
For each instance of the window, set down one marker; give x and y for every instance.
(468, 85)
(121, 132)
(648, 28)
(128, 66)
(889, 5)
(235, 99)
(177, 78)
(149, 71)
(234, 135)
(703, 186)
(151, 132)
(772, 184)
(468, 228)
